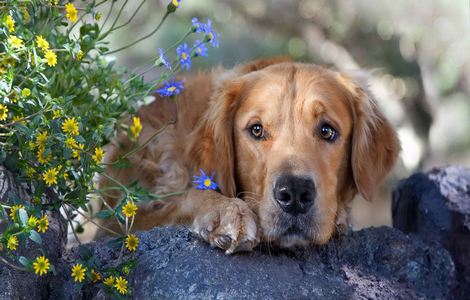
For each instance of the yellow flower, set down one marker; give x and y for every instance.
(56, 114)
(41, 265)
(30, 172)
(130, 209)
(41, 158)
(15, 42)
(99, 153)
(12, 243)
(176, 3)
(32, 221)
(43, 224)
(136, 128)
(77, 151)
(42, 43)
(70, 126)
(13, 211)
(70, 143)
(25, 92)
(3, 112)
(78, 272)
(109, 281)
(132, 242)
(41, 139)
(26, 15)
(66, 175)
(50, 176)
(96, 276)
(31, 145)
(19, 119)
(121, 285)
(10, 23)
(72, 13)
(80, 55)
(51, 58)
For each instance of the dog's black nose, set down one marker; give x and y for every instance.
(294, 194)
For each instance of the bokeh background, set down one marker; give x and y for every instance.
(416, 52)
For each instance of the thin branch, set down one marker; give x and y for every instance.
(142, 38)
(12, 265)
(98, 225)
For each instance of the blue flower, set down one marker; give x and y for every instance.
(171, 88)
(204, 182)
(184, 55)
(200, 48)
(197, 26)
(211, 35)
(162, 60)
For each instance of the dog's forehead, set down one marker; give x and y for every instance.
(287, 88)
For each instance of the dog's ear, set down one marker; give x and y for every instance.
(211, 147)
(375, 145)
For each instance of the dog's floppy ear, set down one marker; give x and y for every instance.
(375, 145)
(211, 146)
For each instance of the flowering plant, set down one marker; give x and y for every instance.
(61, 100)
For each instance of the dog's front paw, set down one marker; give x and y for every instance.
(229, 225)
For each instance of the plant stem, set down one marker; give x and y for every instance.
(12, 265)
(142, 38)
(69, 219)
(93, 222)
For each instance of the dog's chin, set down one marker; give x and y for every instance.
(293, 241)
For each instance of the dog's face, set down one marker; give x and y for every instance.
(296, 142)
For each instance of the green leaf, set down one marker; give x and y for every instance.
(85, 252)
(25, 262)
(35, 237)
(52, 268)
(23, 216)
(104, 214)
(3, 156)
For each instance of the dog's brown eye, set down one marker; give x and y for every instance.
(257, 131)
(328, 133)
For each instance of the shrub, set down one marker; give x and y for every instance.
(61, 100)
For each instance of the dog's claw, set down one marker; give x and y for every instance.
(223, 241)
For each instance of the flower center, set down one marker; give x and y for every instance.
(184, 56)
(207, 182)
(171, 89)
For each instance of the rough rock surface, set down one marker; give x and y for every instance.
(375, 263)
(436, 207)
(16, 284)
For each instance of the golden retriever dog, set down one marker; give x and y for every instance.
(290, 145)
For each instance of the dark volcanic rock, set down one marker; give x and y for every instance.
(436, 207)
(375, 263)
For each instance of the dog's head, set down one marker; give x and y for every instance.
(296, 142)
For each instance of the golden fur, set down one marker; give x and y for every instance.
(214, 113)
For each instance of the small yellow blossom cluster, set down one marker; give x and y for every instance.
(41, 265)
(10, 23)
(119, 283)
(136, 127)
(3, 112)
(71, 12)
(79, 271)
